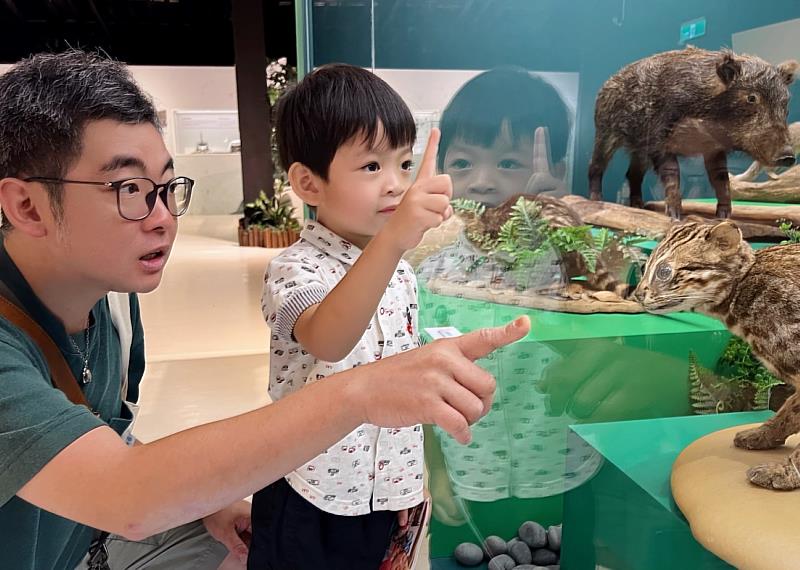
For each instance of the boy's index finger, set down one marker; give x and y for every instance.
(427, 168)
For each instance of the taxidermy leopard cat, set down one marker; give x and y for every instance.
(611, 269)
(712, 270)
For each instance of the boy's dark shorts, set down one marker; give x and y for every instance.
(289, 533)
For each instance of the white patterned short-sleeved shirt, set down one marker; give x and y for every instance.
(371, 468)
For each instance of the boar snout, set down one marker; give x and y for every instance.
(785, 157)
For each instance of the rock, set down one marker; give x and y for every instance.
(533, 534)
(554, 538)
(468, 554)
(502, 562)
(543, 557)
(520, 552)
(529, 567)
(495, 546)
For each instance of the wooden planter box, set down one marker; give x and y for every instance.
(267, 237)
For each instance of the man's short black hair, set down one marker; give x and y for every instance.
(511, 95)
(329, 107)
(46, 101)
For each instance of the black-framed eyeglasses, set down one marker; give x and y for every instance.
(137, 197)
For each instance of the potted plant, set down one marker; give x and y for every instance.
(269, 222)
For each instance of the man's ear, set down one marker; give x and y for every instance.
(22, 207)
(307, 185)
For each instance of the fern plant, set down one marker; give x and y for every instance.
(709, 393)
(526, 237)
(738, 383)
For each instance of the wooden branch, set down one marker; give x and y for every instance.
(785, 188)
(583, 302)
(742, 215)
(653, 225)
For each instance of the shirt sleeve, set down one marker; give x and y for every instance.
(36, 420)
(291, 285)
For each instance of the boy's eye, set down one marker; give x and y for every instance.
(460, 164)
(407, 165)
(509, 164)
(372, 167)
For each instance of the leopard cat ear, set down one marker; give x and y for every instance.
(726, 236)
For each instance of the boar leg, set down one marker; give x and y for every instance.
(635, 175)
(604, 149)
(669, 173)
(717, 171)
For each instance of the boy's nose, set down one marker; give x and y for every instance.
(394, 186)
(481, 182)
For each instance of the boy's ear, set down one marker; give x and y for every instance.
(306, 184)
(22, 208)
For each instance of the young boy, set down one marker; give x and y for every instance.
(342, 297)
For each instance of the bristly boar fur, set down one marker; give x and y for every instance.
(692, 102)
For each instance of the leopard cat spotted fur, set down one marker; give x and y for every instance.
(710, 269)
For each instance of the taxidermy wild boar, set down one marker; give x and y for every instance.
(692, 102)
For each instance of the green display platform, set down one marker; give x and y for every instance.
(595, 368)
(624, 518)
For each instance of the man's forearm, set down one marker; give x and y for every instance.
(137, 492)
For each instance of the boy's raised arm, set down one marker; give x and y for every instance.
(330, 329)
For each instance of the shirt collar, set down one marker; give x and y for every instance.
(330, 243)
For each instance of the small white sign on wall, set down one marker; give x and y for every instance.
(205, 131)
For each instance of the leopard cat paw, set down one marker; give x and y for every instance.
(777, 476)
(756, 438)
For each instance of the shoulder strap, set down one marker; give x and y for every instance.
(60, 372)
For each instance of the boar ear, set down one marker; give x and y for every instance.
(788, 69)
(726, 236)
(728, 68)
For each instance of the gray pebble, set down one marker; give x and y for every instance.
(533, 534)
(502, 562)
(495, 546)
(553, 567)
(529, 567)
(554, 538)
(543, 557)
(512, 541)
(468, 554)
(520, 552)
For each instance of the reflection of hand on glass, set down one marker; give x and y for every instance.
(542, 177)
(444, 506)
(604, 381)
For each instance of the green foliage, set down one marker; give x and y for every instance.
(525, 237)
(738, 383)
(709, 393)
(276, 212)
(791, 232)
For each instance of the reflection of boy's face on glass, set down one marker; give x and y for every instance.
(491, 175)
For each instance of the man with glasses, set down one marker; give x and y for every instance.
(90, 202)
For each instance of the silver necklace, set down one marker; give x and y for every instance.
(86, 375)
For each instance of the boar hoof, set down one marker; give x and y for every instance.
(674, 212)
(723, 211)
(637, 203)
